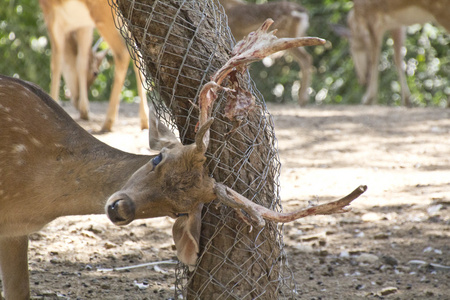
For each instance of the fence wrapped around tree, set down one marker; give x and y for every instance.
(178, 45)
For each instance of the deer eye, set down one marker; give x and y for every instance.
(177, 215)
(156, 160)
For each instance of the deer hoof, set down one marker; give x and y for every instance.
(120, 209)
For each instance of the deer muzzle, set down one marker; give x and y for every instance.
(120, 209)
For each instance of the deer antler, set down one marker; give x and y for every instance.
(260, 44)
(258, 213)
(254, 47)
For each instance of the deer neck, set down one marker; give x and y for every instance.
(51, 163)
(91, 175)
(71, 178)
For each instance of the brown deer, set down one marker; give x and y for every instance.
(69, 67)
(369, 20)
(51, 167)
(291, 20)
(71, 23)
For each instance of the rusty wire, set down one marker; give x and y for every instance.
(163, 81)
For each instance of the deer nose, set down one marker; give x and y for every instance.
(120, 209)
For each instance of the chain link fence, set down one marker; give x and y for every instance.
(178, 45)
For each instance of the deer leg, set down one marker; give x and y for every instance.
(143, 104)
(374, 50)
(304, 59)
(56, 62)
(399, 36)
(14, 267)
(121, 60)
(84, 36)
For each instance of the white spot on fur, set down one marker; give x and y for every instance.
(20, 130)
(25, 93)
(36, 142)
(19, 148)
(4, 108)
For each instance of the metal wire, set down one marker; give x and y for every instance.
(178, 45)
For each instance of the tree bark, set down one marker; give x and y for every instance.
(181, 44)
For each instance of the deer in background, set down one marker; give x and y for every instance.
(74, 21)
(51, 167)
(370, 19)
(69, 67)
(291, 20)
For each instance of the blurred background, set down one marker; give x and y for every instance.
(25, 53)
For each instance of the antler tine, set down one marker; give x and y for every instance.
(206, 99)
(202, 136)
(257, 212)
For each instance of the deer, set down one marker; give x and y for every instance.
(69, 67)
(70, 24)
(369, 20)
(291, 20)
(51, 167)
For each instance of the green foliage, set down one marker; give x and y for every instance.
(334, 79)
(25, 51)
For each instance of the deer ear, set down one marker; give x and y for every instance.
(159, 135)
(186, 234)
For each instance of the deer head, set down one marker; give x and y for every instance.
(176, 182)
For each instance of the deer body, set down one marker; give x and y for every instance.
(290, 19)
(51, 167)
(63, 18)
(369, 20)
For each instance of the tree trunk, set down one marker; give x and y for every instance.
(181, 44)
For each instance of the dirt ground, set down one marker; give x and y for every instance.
(395, 244)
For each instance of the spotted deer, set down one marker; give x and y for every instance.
(70, 23)
(69, 67)
(51, 167)
(370, 19)
(291, 20)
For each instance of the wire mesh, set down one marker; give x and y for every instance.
(178, 45)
